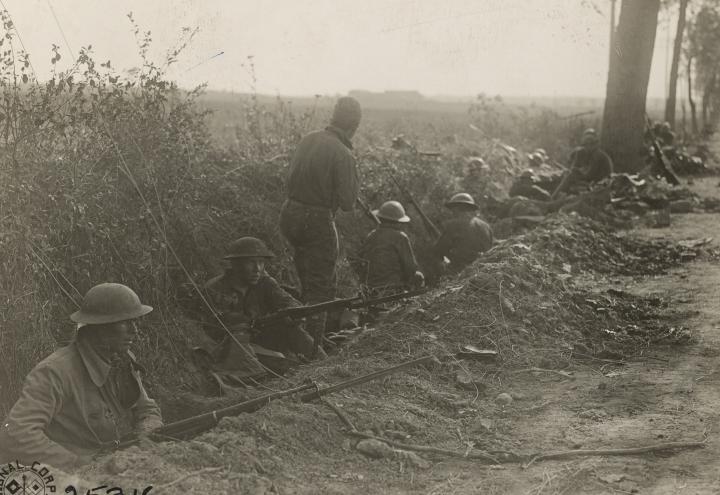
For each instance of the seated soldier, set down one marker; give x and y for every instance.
(588, 163)
(245, 292)
(87, 396)
(464, 236)
(388, 260)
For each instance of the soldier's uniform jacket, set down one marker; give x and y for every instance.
(323, 172)
(74, 403)
(387, 258)
(260, 299)
(591, 165)
(463, 239)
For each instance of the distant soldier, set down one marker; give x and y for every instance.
(588, 164)
(323, 178)
(465, 235)
(387, 257)
(245, 292)
(86, 396)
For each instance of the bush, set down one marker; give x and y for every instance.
(116, 177)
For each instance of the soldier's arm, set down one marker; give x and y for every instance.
(346, 181)
(23, 435)
(444, 243)
(485, 234)
(407, 257)
(145, 411)
(279, 297)
(225, 312)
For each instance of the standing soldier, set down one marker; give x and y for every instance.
(245, 292)
(465, 235)
(387, 256)
(88, 395)
(322, 179)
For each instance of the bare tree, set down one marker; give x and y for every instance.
(677, 50)
(624, 115)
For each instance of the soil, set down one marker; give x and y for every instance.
(586, 371)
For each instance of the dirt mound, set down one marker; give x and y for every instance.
(574, 243)
(519, 300)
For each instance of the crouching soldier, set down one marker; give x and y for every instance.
(245, 292)
(465, 235)
(84, 397)
(387, 258)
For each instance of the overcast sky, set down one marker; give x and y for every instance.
(450, 47)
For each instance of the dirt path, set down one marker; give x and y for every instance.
(671, 394)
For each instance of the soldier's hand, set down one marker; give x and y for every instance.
(418, 279)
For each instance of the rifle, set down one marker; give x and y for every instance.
(350, 303)
(194, 425)
(368, 212)
(563, 183)
(663, 164)
(431, 228)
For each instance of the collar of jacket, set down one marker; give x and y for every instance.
(342, 136)
(97, 367)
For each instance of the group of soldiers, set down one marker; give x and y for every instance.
(87, 396)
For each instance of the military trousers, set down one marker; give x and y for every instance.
(311, 232)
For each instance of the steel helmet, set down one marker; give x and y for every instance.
(392, 211)
(461, 199)
(109, 303)
(248, 247)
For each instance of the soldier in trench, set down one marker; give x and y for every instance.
(465, 236)
(87, 396)
(323, 178)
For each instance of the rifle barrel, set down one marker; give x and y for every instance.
(429, 225)
(197, 424)
(201, 422)
(349, 303)
(366, 378)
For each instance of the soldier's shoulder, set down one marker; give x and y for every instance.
(218, 283)
(269, 284)
(59, 362)
(479, 222)
(400, 235)
(317, 134)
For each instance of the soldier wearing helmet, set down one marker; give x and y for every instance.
(465, 235)
(588, 164)
(245, 292)
(84, 397)
(322, 179)
(387, 258)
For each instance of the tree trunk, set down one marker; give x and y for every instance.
(684, 122)
(707, 101)
(623, 125)
(677, 48)
(691, 102)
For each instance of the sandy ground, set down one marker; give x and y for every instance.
(670, 394)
